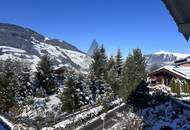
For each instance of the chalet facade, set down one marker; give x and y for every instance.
(180, 70)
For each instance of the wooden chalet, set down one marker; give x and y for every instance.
(180, 70)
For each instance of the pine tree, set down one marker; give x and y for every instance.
(98, 67)
(113, 80)
(183, 86)
(133, 73)
(103, 63)
(173, 86)
(40, 92)
(188, 89)
(70, 97)
(82, 89)
(15, 82)
(7, 95)
(98, 73)
(177, 89)
(118, 62)
(114, 69)
(45, 77)
(177, 86)
(24, 83)
(111, 63)
(8, 85)
(95, 66)
(98, 88)
(112, 74)
(93, 89)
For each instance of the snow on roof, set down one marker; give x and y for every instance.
(181, 71)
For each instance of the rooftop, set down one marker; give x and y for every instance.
(181, 71)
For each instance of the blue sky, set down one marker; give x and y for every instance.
(124, 24)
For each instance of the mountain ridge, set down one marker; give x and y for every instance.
(24, 43)
(162, 58)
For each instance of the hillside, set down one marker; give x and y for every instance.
(24, 43)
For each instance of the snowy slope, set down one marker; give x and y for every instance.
(61, 57)
(22, 43)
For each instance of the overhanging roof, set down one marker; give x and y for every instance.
(180, 11)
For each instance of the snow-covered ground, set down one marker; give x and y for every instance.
(127, 120)
(41, 106)
(165, 115)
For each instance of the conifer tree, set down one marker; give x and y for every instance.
(93, 88)
(82, 89)
(40, 92)
(183, 86)
(133, 73)
(95, 70)
(173, 86)
(118, 62)
(98, 72)
(98, 67)
(103, 62)
(70, 96)
(44, 76)
(188, 89)
(7, 95)
(178, 88)
(112, 74)
(111, 63)
(98, 88)
(14, 83)
(24, 83)
(113, 80)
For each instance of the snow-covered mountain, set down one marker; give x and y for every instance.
(23, 43)
(163, 58)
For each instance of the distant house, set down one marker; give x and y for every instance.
(180, 70)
